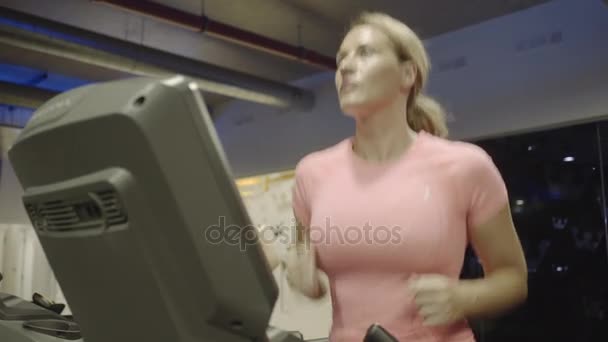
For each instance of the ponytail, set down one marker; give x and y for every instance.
(428, 115)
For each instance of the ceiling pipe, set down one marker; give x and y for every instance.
(111, 53)
(23, 96)
(43, 44)
(209, 26)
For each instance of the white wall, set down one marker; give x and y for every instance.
(259, 140)
(24, 265)
(504, 89)
(11, 207)
(500, 90)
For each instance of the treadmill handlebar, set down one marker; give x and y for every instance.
(376, 333)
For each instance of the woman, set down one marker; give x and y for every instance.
(387, 214)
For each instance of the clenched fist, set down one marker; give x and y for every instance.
(439, 299)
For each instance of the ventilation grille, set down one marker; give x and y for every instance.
(111, 208)
(99, 211)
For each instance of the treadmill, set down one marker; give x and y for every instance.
(130, 194)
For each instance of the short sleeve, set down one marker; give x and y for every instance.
(300, 195)
(488, 193)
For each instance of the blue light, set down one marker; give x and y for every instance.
(17, 74)
(42, 30)
(96, 44)
(38, 78)
(14, 116)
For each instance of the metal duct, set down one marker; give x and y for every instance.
(23, 96)
(145, 61)
(234, 34)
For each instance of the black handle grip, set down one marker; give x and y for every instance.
(376, 333)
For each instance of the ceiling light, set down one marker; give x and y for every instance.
(568, 159)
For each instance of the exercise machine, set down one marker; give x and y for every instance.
(131, 196)
(129, 191)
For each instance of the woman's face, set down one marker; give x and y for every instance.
(369, 74)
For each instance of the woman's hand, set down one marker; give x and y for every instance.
(440, 300)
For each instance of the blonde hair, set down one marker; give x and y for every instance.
(423, 113)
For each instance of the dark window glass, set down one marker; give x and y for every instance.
(557, 195)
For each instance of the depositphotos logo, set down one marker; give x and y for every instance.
(330, 234)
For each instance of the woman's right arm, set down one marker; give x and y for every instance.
(302, 272)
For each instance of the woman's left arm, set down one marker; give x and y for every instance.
(505, 282)
(442, 300)
(491, 232)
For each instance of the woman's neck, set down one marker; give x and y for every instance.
(384, 135)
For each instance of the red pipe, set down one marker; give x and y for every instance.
(204, 24)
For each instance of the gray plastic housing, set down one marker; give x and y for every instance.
(13, 331)
(129, 190)
(13, 308)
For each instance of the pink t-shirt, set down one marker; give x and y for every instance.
(373, 225)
